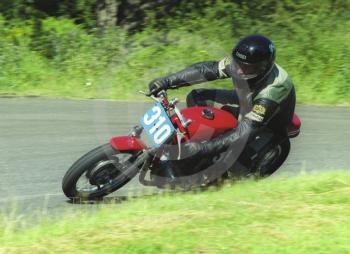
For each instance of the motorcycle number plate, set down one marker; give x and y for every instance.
(157, 125)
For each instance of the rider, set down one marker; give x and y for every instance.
(264, 92)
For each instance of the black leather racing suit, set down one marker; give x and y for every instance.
(269, 102)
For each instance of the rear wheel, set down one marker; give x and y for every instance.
(272, 159)
(98, 173)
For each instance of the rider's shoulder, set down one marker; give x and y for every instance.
(279, 74)
(225, 67)
(227, 60)
(278, 85)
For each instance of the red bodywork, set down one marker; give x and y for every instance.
(202, 128)
(127, 143)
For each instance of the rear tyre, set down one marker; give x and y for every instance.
(98, 173)
(273, 159)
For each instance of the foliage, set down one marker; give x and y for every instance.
(59, 51)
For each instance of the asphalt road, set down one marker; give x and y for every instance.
(41, 138)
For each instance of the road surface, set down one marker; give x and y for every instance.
(41, 138)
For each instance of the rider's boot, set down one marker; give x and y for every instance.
(168, 170)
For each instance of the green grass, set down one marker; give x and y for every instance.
(304, 214)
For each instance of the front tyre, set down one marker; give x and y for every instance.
(98, 173)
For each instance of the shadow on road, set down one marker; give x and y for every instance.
(109, 200)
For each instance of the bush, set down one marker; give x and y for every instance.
(57, 56)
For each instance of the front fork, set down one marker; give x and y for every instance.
(152, 157)
(149, 157)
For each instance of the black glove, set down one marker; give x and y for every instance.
(157, 85)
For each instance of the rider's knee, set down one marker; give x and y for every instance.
(191, 98)
(196, 97)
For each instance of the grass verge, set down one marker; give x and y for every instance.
(304, 214)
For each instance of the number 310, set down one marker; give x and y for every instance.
(160, 129)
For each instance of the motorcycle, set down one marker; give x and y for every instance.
(109, 167)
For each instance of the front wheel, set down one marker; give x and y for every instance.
(98, 173)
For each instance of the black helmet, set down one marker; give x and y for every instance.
(254, 57)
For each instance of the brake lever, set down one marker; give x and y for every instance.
(150, 94)
(146, 94)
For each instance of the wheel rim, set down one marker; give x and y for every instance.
(104, 174)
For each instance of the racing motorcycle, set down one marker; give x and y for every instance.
(109, 167)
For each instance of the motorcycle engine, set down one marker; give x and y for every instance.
(184, 174)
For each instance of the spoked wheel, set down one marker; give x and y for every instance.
(273, 159)
(98, 173)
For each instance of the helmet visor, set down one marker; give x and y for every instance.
(246, 70)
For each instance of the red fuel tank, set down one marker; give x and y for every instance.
(208, 122)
